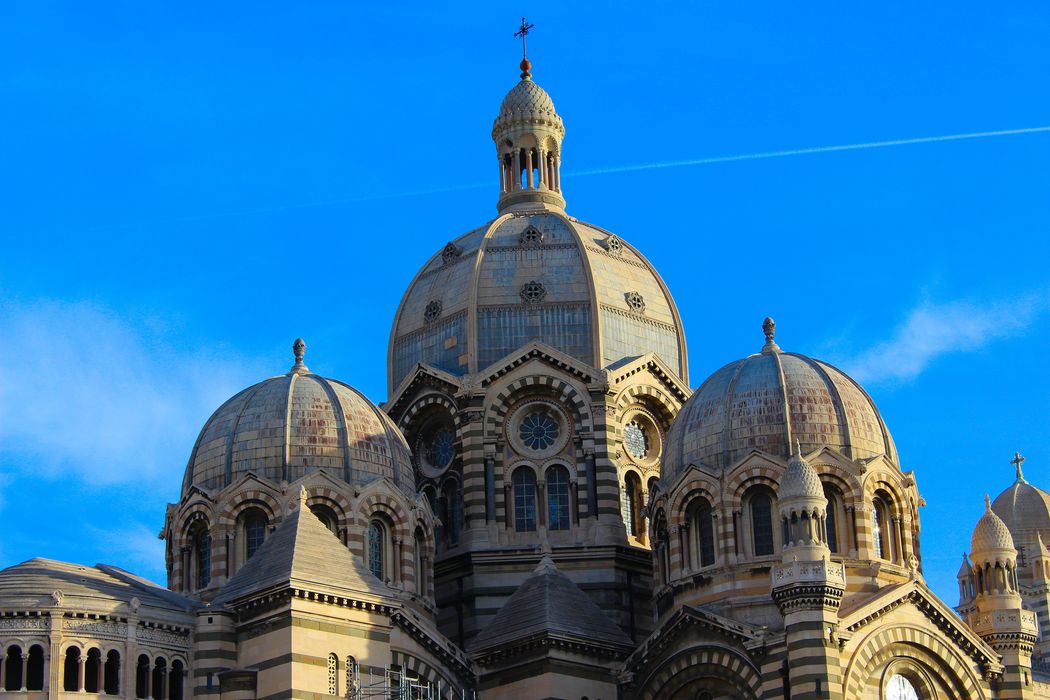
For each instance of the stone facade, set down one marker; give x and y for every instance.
(543, 508)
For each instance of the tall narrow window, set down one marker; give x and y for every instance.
(142, 677)
(558, 498)
(35, 668)
(254, 532)
(175, 684)
(70, 670)
(160, 679)
(632, 506)
(13, 668)
(111, 674)
(705, 533)
(524, 500)
(351, 677)
(831, 521)
(762, 524)
(376, 546)
(333, 674)
(878, 521)
(91, 669)
(202, 557)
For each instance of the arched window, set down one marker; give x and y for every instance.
(111, 673)
(760, 504)
(175, 684)
(835, 519)
(558, 515)
(333, 674)
(327, 516)
(701, 533)
(142, 677)
(253, 528)
(13, 668)
(631, 506)
(35, 668)
(201, 542)
(524, 481)
(351, 677)
(377, 548)
(160, 678)
(881, 531)
(900, 688)
(92, 668)
(70, 670)
(453, 511)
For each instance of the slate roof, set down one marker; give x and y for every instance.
(302, 552)
(549, 603)
(29, 585)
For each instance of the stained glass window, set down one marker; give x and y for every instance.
(558, 498)
(254, 533)
(762, 524)
(635, 440)
(524, 500)
(202, 549)
(538, 431)
(876, 528)
(375, 549)
(441, 448)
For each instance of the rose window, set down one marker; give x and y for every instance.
(635, 440)
(450, 253)
(538, 431)
(441, 448)
(532, 292)
(613, 244)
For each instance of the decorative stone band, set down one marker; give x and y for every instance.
(809, 572)
(1012, 628)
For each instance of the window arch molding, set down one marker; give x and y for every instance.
(633, 504)
(701, 538)
(234, 510)
(760, 534)
(379, 547)
(566, 396)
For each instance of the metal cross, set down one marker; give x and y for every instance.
(1017, 461)
(523, 32)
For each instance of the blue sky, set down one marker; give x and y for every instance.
(187, 187)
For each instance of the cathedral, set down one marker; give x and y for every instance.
(543, 508)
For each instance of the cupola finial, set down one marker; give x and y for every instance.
(299, 348)
(987, 504)
(1017, 461)
(769, 327)
(526, 65)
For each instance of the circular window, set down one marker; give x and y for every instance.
(538, 429)
(900, 688)
(435, 446)
(635, 440)
(641, 438)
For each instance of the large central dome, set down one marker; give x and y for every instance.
(534, 275)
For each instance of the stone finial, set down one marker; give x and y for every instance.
(1017, 461)
(987, 504)
(303, 496)
(299, 349)
(769, 327)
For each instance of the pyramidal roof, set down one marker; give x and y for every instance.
(302, 552)
(549, 603)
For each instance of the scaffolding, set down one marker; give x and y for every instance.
(397, 684)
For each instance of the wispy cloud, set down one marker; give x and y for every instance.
(87, 392)
(932, 330)
(133, 547)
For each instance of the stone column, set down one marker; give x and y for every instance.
(25, 667)
(542, 167)
(541, 504)
(528, 167)
(397, 561)
(516, 179)
(574, 506)
(490, 490)
(502, 175)
(557, 173)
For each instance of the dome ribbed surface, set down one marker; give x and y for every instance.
(767, 401)
(288, 426)
(800, 481)
(991, 534)
(467, 308)
(1026, 511)
(527, 96)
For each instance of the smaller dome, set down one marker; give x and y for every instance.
(1024, 508)
(527, 96)
(800, 482)
(991, 536)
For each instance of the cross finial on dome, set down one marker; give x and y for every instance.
(1017, 461)
(299, 348)
(526, 66)
(769, 327)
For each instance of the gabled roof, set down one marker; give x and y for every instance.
(422, 375)
(548, 604)
(653, 364)
(861, 609)
(303, 553)
(539, 351)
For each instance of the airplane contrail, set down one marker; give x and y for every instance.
(611, 170)
(803, 151)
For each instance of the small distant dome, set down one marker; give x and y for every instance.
(285, 427)
(1026, 511)
(767, 401)
(800, 482)
(527, 96)
(991, 536)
